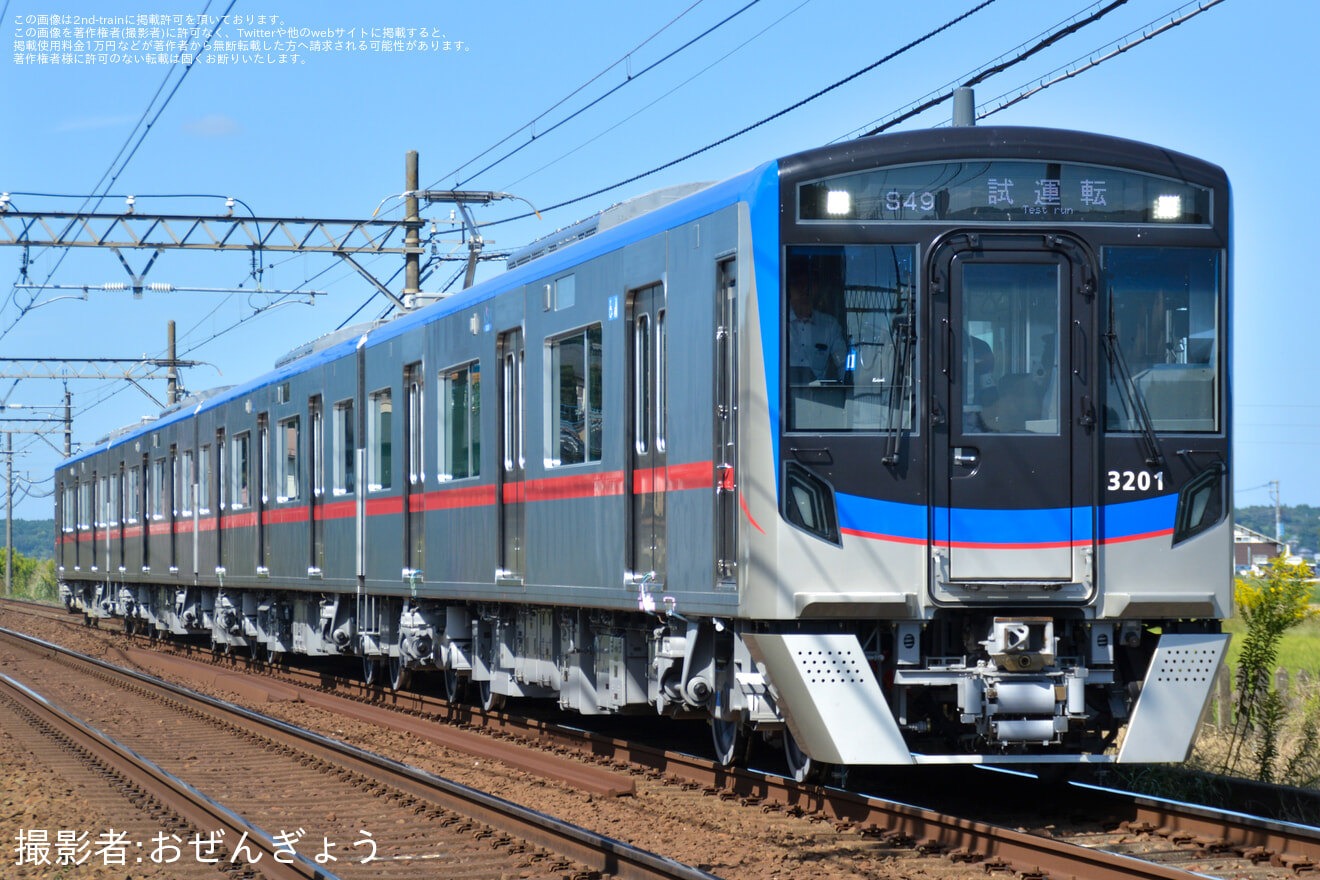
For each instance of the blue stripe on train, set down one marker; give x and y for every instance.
(909, 522)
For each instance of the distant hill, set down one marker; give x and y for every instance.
(34, 538)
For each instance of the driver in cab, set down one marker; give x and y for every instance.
(816, 348)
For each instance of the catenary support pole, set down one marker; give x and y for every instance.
(68, 422)
(172, 371)
(412, 284)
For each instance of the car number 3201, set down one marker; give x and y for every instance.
(1135, 481)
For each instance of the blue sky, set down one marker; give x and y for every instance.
(326, 137)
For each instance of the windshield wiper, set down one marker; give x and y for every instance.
(904, 329)
(1136, 401)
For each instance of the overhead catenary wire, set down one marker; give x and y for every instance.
(631, 79)
(531, 123)
(755, 125)
(1177, 17)
(1046, 39)
(658, 99)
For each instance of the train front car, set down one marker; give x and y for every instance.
(997, 397)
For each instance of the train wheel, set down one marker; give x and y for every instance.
(801, 766)
(455, 686)
(400, 674)
(257, 651)
(130, 626)
(728, 740)
(490, 701)
(370, 667)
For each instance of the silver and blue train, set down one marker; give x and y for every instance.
(912, 449)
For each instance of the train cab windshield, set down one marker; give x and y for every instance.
(847, 311)
(1162, 308)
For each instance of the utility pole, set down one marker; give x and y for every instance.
(1278, 512)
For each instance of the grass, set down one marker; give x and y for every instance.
(1299, 648)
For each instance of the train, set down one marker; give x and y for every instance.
(907, 450)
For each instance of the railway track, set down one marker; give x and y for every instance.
(242, 780)
(1120, 835)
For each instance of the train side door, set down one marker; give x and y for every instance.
(647, 381)
(512, 494)
(1013, 458)
(726, 426)
(414, 501)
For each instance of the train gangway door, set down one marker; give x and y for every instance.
(1013, 433)
(512, 494)
(648, 388)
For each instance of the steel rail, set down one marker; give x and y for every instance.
(176, 795)
(595, 851)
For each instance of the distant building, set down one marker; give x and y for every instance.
(1251, 549)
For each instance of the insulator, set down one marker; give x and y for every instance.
(114, 285)
(160, 288)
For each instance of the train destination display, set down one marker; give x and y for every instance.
(1003, 191)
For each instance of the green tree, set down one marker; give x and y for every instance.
(24, 568)
(33, 578)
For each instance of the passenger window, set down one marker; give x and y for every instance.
(85, 504)
(286, 461)
(204, 480)
(156, 490)
(460, 428)
(116, 489)
(185, 483)
(344, 449)
(102, 502)
(239, 495)
(575, 398)
(133, 498)
(379, 448)
(67, 512)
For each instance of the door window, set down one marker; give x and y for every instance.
(1010, 352)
